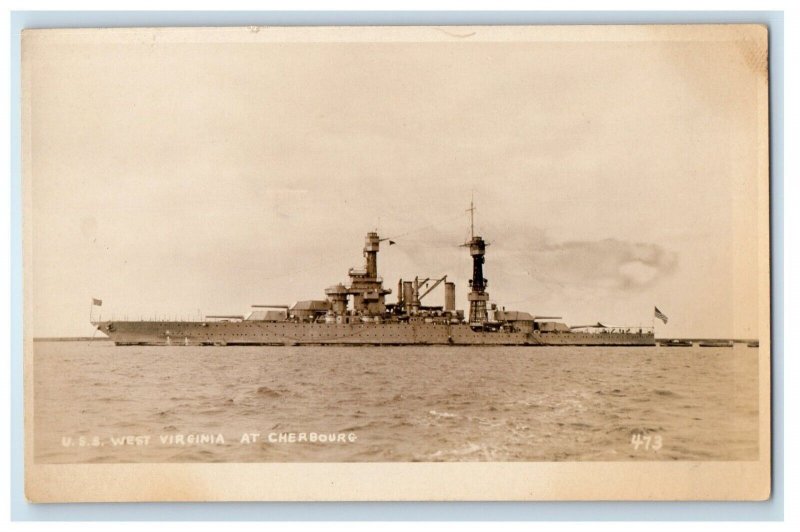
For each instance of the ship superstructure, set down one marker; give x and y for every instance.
(357, 313)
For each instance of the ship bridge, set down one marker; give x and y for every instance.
(366, 286)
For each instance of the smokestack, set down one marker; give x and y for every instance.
(450, 296)
(408, 294)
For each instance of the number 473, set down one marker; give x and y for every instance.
(647, 443)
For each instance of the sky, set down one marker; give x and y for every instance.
(173, 176)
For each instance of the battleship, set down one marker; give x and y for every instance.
(358, 313)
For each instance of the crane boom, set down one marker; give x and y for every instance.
(437, 283)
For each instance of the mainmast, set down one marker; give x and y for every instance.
(477, 296)
(471, 211)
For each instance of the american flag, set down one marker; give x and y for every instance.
(97, 302)
(660, 315)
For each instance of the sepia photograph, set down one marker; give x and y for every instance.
(396, 263)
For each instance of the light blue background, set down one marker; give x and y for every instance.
(770, 510)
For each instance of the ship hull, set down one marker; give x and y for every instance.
(190, 333)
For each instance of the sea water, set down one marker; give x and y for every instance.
(98, 403)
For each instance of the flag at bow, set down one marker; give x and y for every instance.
(660, 315)
(97, 302)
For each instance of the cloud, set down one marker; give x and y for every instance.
(609, 264)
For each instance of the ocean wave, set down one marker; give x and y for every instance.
(446, 415)
(266, 391)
